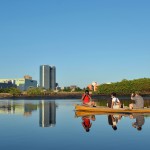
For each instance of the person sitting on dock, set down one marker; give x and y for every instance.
(139, 102)
(115, 104)
(87, 100)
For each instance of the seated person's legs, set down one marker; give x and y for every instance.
(88, 104)
(131, 106)
(116, 106)
(93, 103)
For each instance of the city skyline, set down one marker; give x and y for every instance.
(102, 41)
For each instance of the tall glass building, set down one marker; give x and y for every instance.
(48, 77)
(53, 78)
(45, 76)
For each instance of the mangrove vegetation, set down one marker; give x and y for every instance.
(126, 87)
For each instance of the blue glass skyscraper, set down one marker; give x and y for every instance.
(48, 77)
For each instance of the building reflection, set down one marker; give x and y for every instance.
(47, 114)
(21, 108)
(47, 110)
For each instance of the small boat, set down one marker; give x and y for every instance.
(99, 109)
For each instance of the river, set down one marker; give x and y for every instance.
(53, 124)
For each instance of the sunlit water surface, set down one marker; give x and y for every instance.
(53, 124)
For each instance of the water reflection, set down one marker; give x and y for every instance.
(47, 114)
(86, 122)
(22, 108)
(139, 121)
(113, 119)
(47, 110)
(17, 130)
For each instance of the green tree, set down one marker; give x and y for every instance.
(6, 90)
(67, 89)
(35, 91)
(126, 87)
(77, 89)
(15, 91)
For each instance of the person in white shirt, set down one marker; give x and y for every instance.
(115, 104)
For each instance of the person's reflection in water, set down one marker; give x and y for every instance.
(113, 120)
(139, 121)
(86, 122)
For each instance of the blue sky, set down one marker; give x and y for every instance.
(87, 40)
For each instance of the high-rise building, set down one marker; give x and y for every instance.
(53, 78)
(45, 76)
(48, 77)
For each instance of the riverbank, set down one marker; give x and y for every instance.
(65, 95)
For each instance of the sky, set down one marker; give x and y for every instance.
(87, 40)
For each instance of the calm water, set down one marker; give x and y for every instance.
(39, 124)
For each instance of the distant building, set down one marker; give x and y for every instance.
(53, 77)
(7, 85)
(27, 77)
(48, 77)
(93, 86)
(73, 87)
(28, 84)
(90, 87)
(47, 114)
(58, 88)
(45, 77)
(23, 84)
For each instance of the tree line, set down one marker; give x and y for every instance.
(126, 87)
(37, 91)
